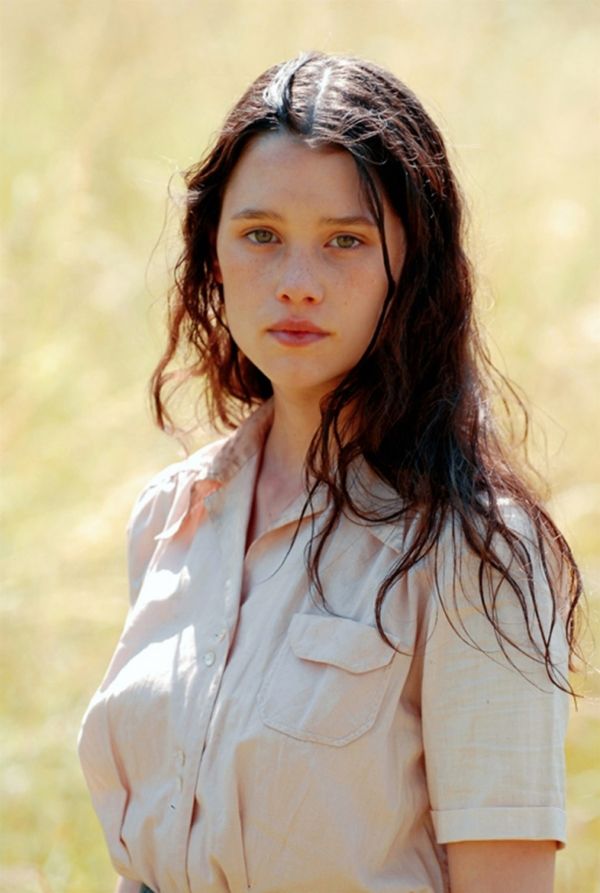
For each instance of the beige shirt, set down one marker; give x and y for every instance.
(243, 738)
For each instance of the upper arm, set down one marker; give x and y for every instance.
(502, 866)
(493, 733)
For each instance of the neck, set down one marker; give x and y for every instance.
(295, 422)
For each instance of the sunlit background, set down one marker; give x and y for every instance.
(104, 102)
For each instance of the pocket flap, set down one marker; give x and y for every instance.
(343, 643)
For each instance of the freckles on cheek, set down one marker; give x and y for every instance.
(245, 270)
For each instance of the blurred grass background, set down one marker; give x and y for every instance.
(102, 103)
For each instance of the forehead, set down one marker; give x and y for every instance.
(280, 168)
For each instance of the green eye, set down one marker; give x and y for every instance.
(346, 241)
(261, 236)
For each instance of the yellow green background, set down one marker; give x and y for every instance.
(104, 101)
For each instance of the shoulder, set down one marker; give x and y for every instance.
(199, 464)
(500, 587)
(213, 463)
(164, 503)
(158, 494)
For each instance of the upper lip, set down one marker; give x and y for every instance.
(296, 325)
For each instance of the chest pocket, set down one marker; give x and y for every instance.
(328, 680)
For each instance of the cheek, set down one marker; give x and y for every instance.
(237, 311)
(240, 273)
(372, 295)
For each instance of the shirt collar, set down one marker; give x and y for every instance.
(243, 445)
(366, 488)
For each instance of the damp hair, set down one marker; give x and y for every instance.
(421, 406)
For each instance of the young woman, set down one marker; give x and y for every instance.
(344, 667)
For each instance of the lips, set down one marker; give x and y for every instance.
(297, 325)
(296, 332)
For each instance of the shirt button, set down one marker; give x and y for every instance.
(179, 783)
(220, 635)
(228, 584)
(209, 658)
(180, 758)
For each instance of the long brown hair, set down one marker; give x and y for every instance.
(421, 396)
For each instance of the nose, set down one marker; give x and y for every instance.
(299, 281)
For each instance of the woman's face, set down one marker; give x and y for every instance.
(300, 259)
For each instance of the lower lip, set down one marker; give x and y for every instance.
(297, 339)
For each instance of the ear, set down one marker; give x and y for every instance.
(216, 271)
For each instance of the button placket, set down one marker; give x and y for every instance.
(221, 604)
(179, 762)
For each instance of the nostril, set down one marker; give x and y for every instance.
(298, 296)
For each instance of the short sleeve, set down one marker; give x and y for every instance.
(493, 733)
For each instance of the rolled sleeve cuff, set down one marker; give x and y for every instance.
(501, 823)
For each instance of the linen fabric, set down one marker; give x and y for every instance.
(245, 738)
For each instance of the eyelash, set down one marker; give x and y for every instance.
(252, 234)
(356, 241)
(255, 241)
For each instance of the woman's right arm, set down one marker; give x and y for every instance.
(124, 885)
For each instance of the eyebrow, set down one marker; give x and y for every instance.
(265, 214)
(351, 220)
